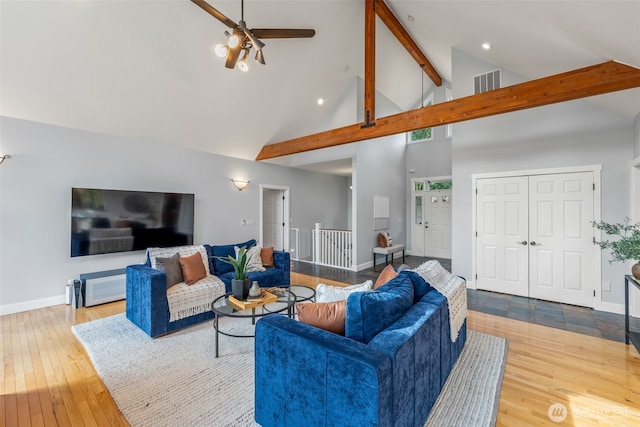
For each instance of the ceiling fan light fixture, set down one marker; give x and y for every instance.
(240, 38)
(242, 64)
(232, 39)
(255, 42)
(260, 57)
(221, 50)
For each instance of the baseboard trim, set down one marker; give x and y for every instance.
(610, 307)
(364, 266)
(31, 305)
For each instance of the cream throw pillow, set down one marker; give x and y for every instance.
(327, 293)
(254, 261)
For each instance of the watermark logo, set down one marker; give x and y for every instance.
(557, 412)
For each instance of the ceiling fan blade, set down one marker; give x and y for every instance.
(282, 33)
(232, 56)
(215, 13)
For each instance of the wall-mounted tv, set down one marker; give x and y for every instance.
(108, 221)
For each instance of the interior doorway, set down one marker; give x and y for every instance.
(274, 217)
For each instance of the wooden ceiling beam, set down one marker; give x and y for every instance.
(581, 83)
(390, 20)
(369, 62)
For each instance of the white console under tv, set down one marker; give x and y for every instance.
(103, 286)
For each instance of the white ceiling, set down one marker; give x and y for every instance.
(144, 69)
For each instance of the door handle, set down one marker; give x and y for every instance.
(534, 244)
(524, 242)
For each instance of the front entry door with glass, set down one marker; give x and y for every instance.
(431, 222)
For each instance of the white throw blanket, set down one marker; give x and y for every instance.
(452, 287)
(188, 300)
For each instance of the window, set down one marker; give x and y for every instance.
(440, 185)
(422, 135)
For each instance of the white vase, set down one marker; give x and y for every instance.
(254, 290)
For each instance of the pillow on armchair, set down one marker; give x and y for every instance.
(254, 260)
(171, 267)
(328, 293)
(329, 316)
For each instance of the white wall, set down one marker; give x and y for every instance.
(378, 170)
(567, 134)
(47, 161)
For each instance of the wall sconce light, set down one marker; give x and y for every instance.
(3, 158)
(240, 184)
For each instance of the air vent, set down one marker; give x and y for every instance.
(486, 82)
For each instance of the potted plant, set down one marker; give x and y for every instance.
(240, 282)
(626, 247)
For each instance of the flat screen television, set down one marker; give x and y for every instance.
(108, 221)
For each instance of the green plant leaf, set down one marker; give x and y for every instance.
(239, 263)
(627, 246)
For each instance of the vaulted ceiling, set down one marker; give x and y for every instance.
(145, 68)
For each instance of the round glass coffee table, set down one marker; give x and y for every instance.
(225, 307)
(303, 293)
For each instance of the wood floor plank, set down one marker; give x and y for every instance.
(597, 380)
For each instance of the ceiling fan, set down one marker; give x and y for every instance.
(242, 39)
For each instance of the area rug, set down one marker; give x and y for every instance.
(176, 381)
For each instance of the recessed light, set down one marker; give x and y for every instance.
(486, 45)
(411, 18)
(320, 101)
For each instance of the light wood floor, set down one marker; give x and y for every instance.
(48, 379)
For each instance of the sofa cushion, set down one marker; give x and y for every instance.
(368, 313)
(221, 267)
(329, 316)
(420, 286)
(266, 254)
(153, 253)
(385, 275)
(254, 261)
(328, 293)
(192, 268)
(171, 267)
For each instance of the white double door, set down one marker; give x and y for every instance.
(535, 238)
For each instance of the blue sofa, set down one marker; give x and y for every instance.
(387, 370)
(278, 276)
(146, 289)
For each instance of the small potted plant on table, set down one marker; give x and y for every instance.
(240, 282)
(627, 247)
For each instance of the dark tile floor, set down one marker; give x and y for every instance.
(560, 316)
